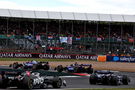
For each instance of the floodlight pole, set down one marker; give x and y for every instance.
(19, 29)
(134, 36)
(33, 30)
(97, 36)
(7, 30)
(59, 27)
(46, 38)
(84, 33)
(7, 24)
(109, 36)
(46, 26)
(33, 24)
(121, 36)
(59, 32)
(72, 28)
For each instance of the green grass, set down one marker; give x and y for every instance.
(37, 59)
(106, 89)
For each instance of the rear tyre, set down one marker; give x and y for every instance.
(34, 67)
(76, 69)
(27, 83)
(125, 80)
(46, 67)
(59, 68)
(15, 65)
(93, 79)
(89, 70)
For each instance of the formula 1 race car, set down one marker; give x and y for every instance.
(34, 65)
(76, 68)
(29, 80)
(107, 77)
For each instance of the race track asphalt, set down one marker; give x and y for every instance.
(83, 82)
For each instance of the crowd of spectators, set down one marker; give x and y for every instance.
(69, 35)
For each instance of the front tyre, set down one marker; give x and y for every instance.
(3, 83)
(114, 80)
(57, 83)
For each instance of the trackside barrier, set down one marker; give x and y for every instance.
(47, 56)
(121, 59)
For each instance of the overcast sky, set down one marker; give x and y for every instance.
(84, 6)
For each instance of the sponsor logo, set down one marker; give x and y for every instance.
(47, 56)
(115, 58)
(124, 59)
(62, 56)
(127, 59)
(21, 55)
(6, 55)
(86, 57)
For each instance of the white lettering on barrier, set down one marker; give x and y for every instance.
(23, 55)
(49, 56)
(6, 55)
(82, 57)
(86, 57)
(46, 55)
(93, 57)
(62, 56)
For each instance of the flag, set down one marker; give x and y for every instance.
(131, 40)
(38, 37)
(78, 38)
(69, 40)
(99, 39)
(50, 37)
(63, 39)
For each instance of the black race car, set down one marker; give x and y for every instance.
(76, 68)
(28, 80)
(107, 77)
(34, 65)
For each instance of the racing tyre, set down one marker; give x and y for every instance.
(93, 79)
(43, 86)
(125, 80)
(76, 69)
(10, 65)
(15, 65)
(27, 83)
(89, 70)
(57, 83)
(34, 67)
(114, 80)
(46, 67)
(105, 80)
(2, 83)
(59, 68)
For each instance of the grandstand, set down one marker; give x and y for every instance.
(66, 32)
